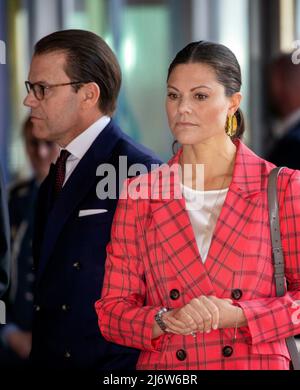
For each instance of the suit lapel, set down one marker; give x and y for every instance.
(75, 189)
(42, 211)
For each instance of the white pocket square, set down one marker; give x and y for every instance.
(84, 213)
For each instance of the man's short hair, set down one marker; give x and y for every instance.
(89, 59)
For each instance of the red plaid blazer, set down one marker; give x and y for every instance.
(153, 261)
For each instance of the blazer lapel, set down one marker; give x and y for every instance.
(234, 225)
(75, 189)
(232, 230)
(176, 236)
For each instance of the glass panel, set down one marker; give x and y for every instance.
(85, 14)
(297, 14)
(287, 25)
(144, 60)
(233, 16)
(139, 33)
(19, 64)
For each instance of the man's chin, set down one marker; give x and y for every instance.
(38, 130)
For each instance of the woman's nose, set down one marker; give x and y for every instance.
(184, 106)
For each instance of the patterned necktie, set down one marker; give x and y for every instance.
(60, 171)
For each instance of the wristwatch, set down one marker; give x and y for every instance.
(159, 320)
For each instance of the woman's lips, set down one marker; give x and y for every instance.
(185, 124)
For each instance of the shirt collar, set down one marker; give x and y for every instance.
(80, 145)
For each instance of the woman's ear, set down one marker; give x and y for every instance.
(235, 101)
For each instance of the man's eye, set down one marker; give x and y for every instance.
(44, 89)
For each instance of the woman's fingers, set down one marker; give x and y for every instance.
(209, 312)
(176, 325)
(200, 314)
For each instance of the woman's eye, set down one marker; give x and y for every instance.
(172, 95)
(200, 96)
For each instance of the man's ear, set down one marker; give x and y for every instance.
(90, 93)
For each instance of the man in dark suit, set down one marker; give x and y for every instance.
(4, 244)
(285, 104)
(15, 336)
(74, 81)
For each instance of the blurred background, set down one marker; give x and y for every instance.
(145, 35)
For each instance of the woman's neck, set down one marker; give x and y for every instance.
(217, 158)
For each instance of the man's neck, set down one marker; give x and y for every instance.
(84, 125)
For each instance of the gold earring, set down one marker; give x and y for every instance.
(231, 125)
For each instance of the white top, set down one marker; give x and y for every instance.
(204, 208)
(80, 145)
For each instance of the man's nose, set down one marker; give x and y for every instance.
(30, 100)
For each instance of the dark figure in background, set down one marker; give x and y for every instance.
(72, 93)
(4, 239)
(285, 105)
(15, 342)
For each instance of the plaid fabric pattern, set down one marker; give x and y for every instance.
(153, 251)
(60, 171)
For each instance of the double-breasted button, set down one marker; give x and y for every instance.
(236, 294)
(65, 307)
(77, 265)
(67, 355)
(181, 354)
(174, 294)
(227, 351)
(37, 308)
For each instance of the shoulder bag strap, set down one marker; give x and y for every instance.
(278, 254)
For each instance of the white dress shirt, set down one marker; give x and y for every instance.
(80, 145)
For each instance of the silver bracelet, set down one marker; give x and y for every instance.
(159, 320)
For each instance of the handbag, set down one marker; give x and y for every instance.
(278, 255)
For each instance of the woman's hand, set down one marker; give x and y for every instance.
(199, 315)
(202, 314)
(231, 316)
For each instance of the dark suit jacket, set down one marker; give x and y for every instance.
(19, 299)
(69, 253)
(4, 239)
(286, 151)
(19, 296)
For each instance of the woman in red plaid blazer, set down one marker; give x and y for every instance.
(183, 308)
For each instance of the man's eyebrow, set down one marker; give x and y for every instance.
(39, 82)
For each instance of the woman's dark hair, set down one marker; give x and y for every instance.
(225, 65)
(89, 59)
